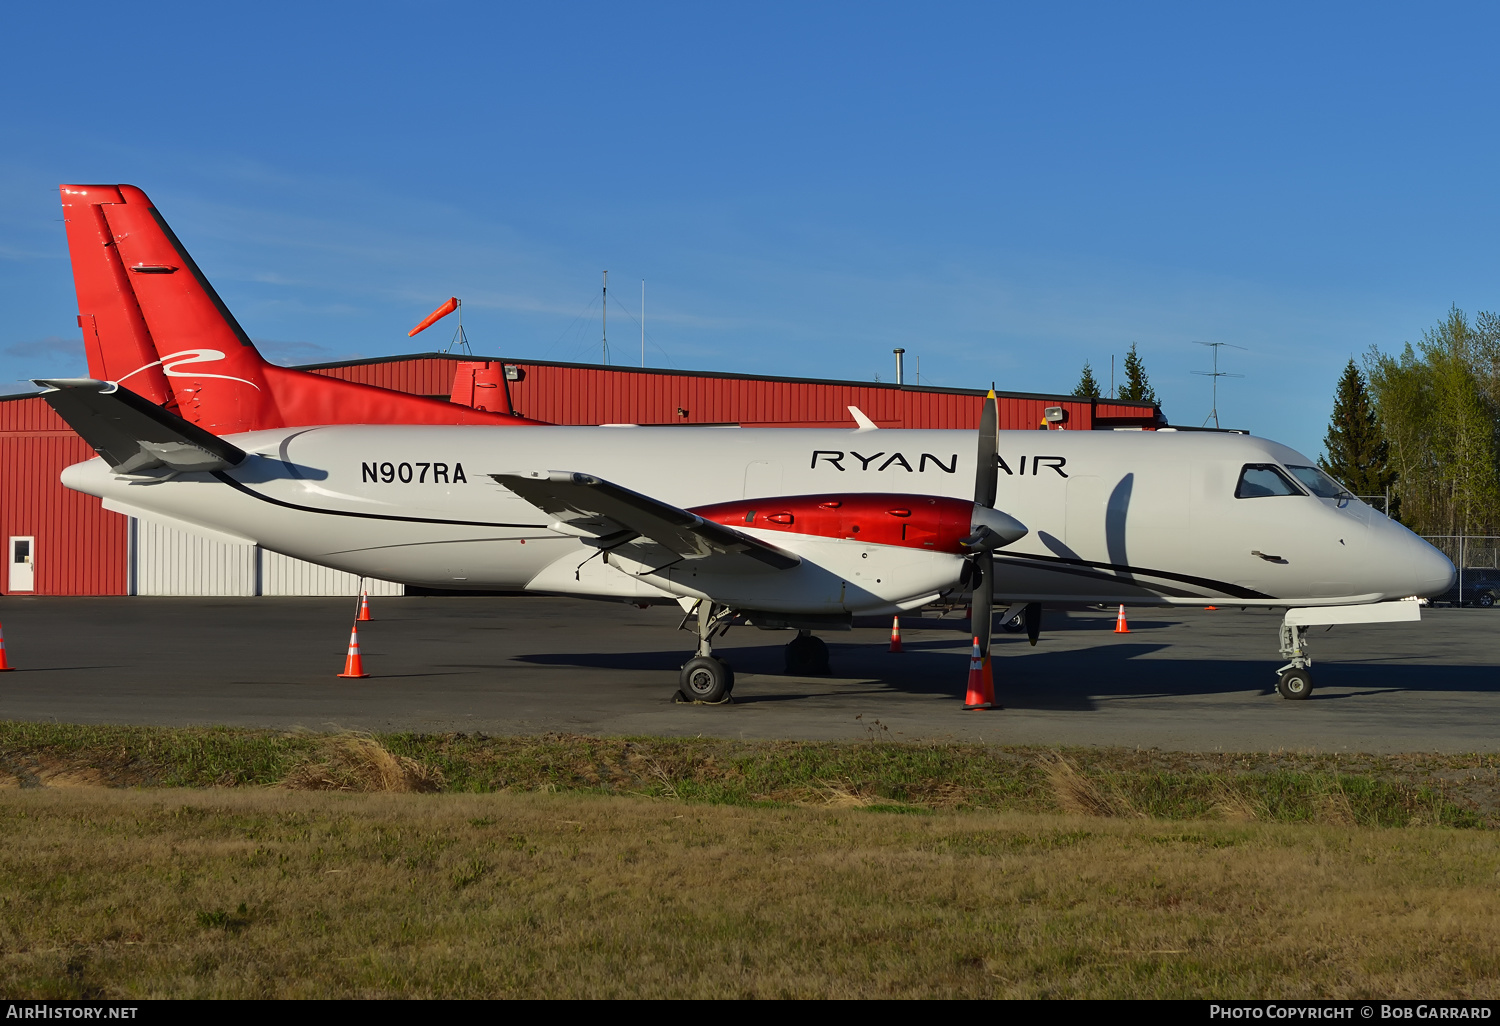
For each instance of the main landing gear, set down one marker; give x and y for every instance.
(1295, 678)
(704, 678)
(710, 680)
(806, 656)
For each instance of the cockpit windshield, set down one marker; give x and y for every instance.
(1260, 480)
(1319, 483)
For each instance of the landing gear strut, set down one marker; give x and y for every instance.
(1295, 678)
(704, 678)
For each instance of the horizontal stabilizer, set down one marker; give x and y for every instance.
(132, 433)
(619, 519)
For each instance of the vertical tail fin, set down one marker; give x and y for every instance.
(152, 322)
(145, 278)
(114, 331)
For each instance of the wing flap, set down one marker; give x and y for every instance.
(644, 529)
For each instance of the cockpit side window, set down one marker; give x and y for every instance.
(1319, 483)
(1258, 480)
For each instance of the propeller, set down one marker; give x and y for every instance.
(985, 536)
(990, 528)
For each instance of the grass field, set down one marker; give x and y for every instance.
(239, 863)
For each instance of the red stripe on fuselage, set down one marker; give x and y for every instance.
(930, 522)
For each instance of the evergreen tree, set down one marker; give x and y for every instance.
(1087, 387)
(1136, 386)
(1356, 449)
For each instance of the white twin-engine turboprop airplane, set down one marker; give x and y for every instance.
(782, 528)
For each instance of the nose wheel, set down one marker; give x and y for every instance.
(1294, 684)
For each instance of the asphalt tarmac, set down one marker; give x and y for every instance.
(1185, 680)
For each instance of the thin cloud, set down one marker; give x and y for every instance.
(52, 345)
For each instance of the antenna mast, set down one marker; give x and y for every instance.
(1216, 374)
(643, 322)
(604, 317)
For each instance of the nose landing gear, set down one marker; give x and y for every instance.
(1294, 680)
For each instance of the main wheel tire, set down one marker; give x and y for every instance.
(1014, 624)
(1295, 685)
(807, 656)
(706, 679)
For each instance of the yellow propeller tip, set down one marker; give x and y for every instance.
(991, 395)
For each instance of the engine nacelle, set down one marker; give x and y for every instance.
(934, 523)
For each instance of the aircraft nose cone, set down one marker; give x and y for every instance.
(1433, 571)
(1002, 525)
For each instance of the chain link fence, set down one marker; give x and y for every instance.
(1477, 558)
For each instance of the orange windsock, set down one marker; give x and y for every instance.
(436, 315)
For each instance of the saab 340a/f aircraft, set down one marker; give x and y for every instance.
(780, 528)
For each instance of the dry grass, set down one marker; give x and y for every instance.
(1413, 790)
(359, 762)
(1081, 796)
(272, 893)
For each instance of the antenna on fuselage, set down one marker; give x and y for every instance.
(1216, 374)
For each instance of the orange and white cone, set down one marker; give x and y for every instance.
(896, 634)
(981, 685)
(4, 665)
(1120, 626)
(353, 666)
(364, 605)
(1210, 608)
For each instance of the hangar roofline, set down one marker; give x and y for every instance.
(725, 375)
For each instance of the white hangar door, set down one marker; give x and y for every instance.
(170, 561)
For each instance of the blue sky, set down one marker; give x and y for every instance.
(1004, 190)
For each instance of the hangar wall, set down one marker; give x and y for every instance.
(168, 561)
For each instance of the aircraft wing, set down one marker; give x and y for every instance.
(133, 433)
(639, 527)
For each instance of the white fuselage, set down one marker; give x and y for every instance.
(1137, 517)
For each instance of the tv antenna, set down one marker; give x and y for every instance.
(604, 317)
(1216, 374)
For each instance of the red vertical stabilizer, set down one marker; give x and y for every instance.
(153, 323)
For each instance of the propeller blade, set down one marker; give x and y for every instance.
(984, 600)
(987, 473)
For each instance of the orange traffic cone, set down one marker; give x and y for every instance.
(3, 664)
(1211, 608)
(896, 634)
(981, 685)
(353, 667)
(1120, 627)
(364, 605)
